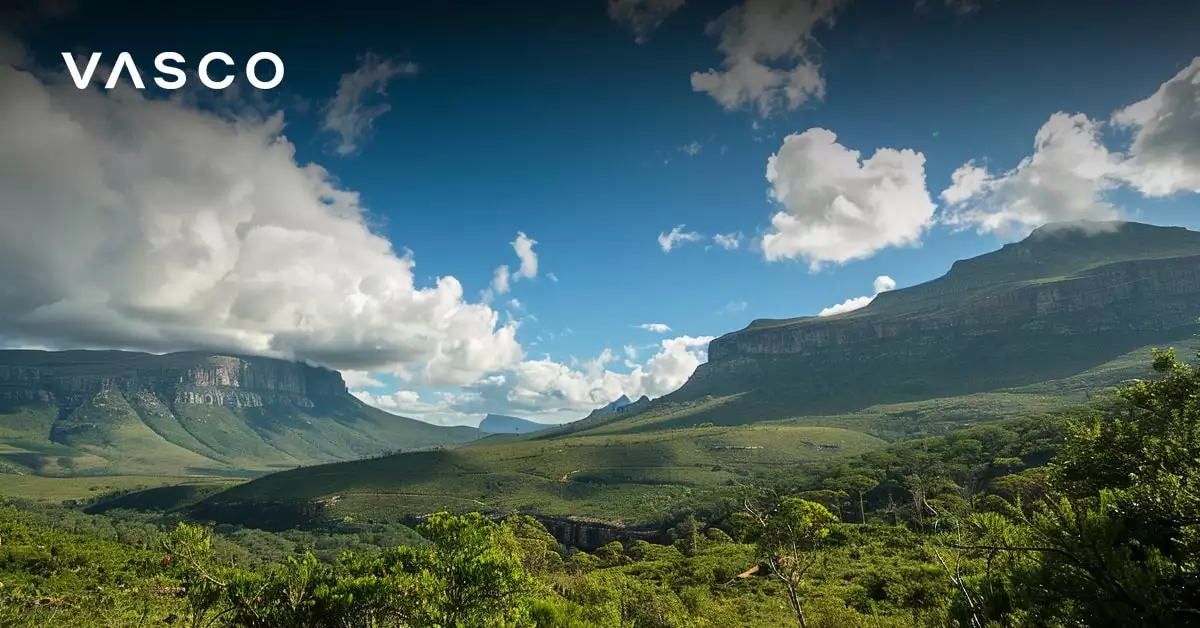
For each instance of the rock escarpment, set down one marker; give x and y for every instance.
(95, 412)
(180, 378)
(1061, 299)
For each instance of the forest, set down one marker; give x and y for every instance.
(1089, 517)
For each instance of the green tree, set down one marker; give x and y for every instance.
(1117, 541)
(787, 544)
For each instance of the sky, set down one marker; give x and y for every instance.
(533, 209)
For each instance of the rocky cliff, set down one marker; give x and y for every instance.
(180, 378)
(1061, 299)
(94, 412)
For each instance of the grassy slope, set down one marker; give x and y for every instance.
(136, 434)
(79, 488)
(637, 468)
(620, 476)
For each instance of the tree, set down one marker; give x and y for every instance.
(790, 534)
(1116, 540)
(858, 485)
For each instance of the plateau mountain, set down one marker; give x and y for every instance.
(115, 412)
(501, 424)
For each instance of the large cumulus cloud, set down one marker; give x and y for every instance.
(149, 224)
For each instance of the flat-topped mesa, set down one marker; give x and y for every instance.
(1061, 279)
(194, 378)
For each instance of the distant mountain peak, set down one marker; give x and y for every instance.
(619, 403)
(502, 424)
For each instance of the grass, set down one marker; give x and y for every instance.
(111, 432)
(45, 489)
(625, 478)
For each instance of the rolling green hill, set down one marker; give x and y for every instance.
(1036, 326)
(118, 413)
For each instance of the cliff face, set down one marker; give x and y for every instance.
(1062, 299)
(179, 378)
(97, 412)
(1150, 295)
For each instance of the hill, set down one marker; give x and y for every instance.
(501, 424)
(1066, 299)
(1028, 329)
(114, 412)
(610, 408)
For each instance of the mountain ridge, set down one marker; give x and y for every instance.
(85, 412)
(504, 424)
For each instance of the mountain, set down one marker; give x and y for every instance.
(115, 412)
(610, 408)
(1065, 299)
(500, 424)
(1027, 330)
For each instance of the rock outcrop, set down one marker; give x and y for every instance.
(1062, 297)
(125, 412)
(180, 378)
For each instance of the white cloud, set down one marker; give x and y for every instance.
(767, 61)
(728, 241)
(1164, 157)
(360, 379)
(642, 16)
(1065, 179)
(882, 284)
(733, 307)
(692, 149)
(148, 224)
(546, 386)
(552, 277)
(658, 328)
(523, 245)
(500, 281)
(347, 114)
(837, 208)
(961, 7)
(676, 237)
(551, 392)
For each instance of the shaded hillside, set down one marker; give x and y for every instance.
(635, 479)
(1032, 328)
(95, 412)
(1060, 302)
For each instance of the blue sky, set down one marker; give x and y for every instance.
(552, 121)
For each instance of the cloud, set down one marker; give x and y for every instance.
(1065, 179)
(550, 391)
(733, 307)
(837, 208)
(500, 280)
(541, 386)
(642, 16)
(148, 224)
(728, 241)
(676, 238)
(767, 60)
(882, 284)
(692, 149)
(1164, 157)
(347, 114)
(657, 328)
(552, 277)
(360, 379)
(961, 7)
(503, 277)
(523, 245)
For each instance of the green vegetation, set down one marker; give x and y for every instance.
(633, 478)
(91, 413)
(1088, 519)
